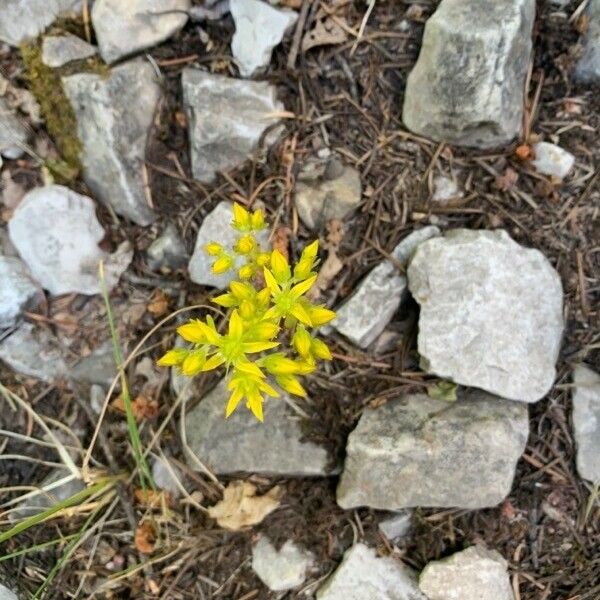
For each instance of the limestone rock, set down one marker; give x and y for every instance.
(7, 594)
(216, 228)
(243, 444)
(167, 250)
(227, 118)
(397, 525)
(56, 233)
(114, 116)
(166, 476)
(491, 313)
(124, 28)
(326, 190)
(362, 575)
(367, 312)
(471, 69)
(416, 451)
(445, 189)
(282, 569)
(13, 133)
(588, 67)
(473, 574)
(258, 29)
(18, 291)
(586, 421)
(58, 50)
(22, 20)
(551, 159)
(96, 369)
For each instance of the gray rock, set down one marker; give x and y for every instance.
(167, 476)
(445, 189)
(18, 291)
(114, 116)
(124, 28)
(491, 313)
(473, 574)
(367, 312)
(58, 50)
(243, 444)
(97, 397)
(258, 29)
(216, 228)
(7, 594)
(362, 575)
(586, 421)
(56, 233)
(283, 569)
(33, 352)
(588, 67)
(96, 369)
(551, 159)
(326, 190)
(13, 133)
(416, 451)
(396, 526)
(22, 20)
(227, 118)
(167, 250)
(6, 246)
(471, 69)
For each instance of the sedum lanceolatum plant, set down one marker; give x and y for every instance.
(269, 341)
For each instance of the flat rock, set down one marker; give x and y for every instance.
(59, 50)
(491, 313)
(397, 525)
(326, 190)
(7, 594)
(216, 227)
(18, 291)
(445, 189)
(364, 316)
(416, 451)
(227, 118)
(56, 233)
(362, 575)
(552, 160)
(114, 116)
(96, 369)
(13, 133)
(124, 28)
(259, 27)
(471, 69)
(22, 20)
(283, 569)
(243, 444)
(473, 574)
(167, 250)
(588, 67)
(586, 421)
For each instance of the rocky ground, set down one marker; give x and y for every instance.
(450, 449)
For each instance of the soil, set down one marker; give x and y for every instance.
(346, 97)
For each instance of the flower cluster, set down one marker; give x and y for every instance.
(268, 310)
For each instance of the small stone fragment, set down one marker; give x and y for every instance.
(227, 119)
(445, 189)
(491, 313)
(367, 312)
(96, 369)
(586, 421)
(167, 476)
(362, 575)
(97, 397)
(243, 444)
(56, 233)
(416, 451)
(473, 574)
(18, 291)
(258, 29)
(7, 594)
(59, 50)
(167, 250)
(13, 133)
(114, 116)
(551, 159)
(216, 227)
(326, 190)
(588, 67)
(467, 85)
(283, 569)
(396, 526)
(124, 28)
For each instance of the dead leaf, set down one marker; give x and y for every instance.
(327, 273)
(507, 180)
(142, 407)
(414, 12)
(326, 32)
(12, 192)
(291, 3)
(335, 233)
(281, 240)
(159, 304)
(145, 537)
(524, 152)
(152, 498)
(241, 507)
(582, 24)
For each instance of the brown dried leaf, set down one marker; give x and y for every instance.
(524, 152)
(326, 32)
(507, 180)
(281, 240)
(142, 407)
(335, 234)
(152, 498)
(241, 507)
(582, 24)
(145, 537)
(291, 3)
(159, 305)
(327, 273)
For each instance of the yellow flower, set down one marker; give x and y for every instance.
(246, 272)
(245, 244)
(173, 358)
(280, 267)
(193, 363)
(214, 249)
(286, 300)
(222, 264)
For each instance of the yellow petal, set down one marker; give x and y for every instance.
(245, 244)
(250, 347)
(265, 330)
(320, 315)
(246, 272)
(216, 360)
(321, 350)
(250, 368)
(172, 358)
(226, 300)
(271, 281)
(258, 220)
(291, 385)
(241, 217)
(213, 249)
(222, 265)
(302, 341)
(193, 332)
(300, 313)
(310, 252)
(301, 288)
(265, 387)
(255, 404)
(233, 401)
(242, 291)
(236, 326)
(279, 266)
(193, 363)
